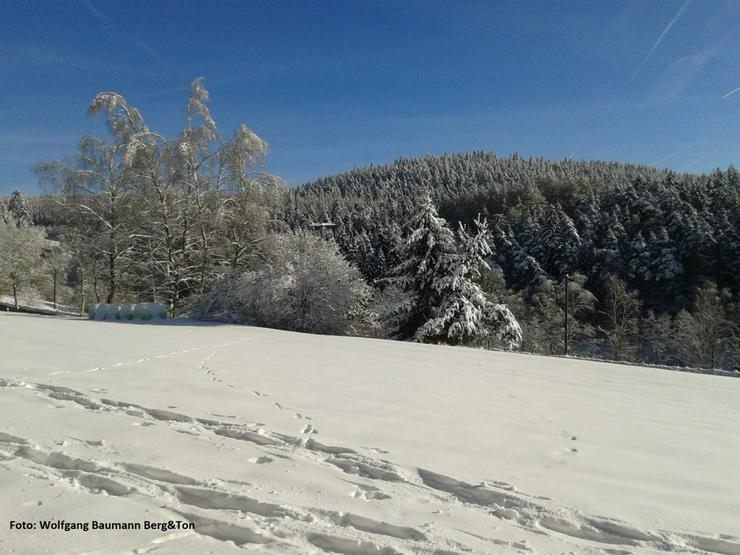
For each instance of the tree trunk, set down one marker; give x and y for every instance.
(112, 277)
(15, 293)
(95, 285)
(204, 261)
(82, 292)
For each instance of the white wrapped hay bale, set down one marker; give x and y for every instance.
(149, 311)
(112, 311)
(158, 310)
(92, 310)
(127, 311)
(97, 311)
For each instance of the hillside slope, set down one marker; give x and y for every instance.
(277, 442)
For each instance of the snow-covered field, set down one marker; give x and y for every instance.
(279, 442)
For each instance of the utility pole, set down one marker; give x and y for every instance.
(54, 272)
(566, 314)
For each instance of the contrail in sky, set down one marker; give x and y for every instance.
(149, 50)
(731, 92)
(707, 155)
(96, 12)
(572, 154)
(667, 157)
(109, 26)
(660, 39)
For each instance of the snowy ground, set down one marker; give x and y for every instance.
(276, 442)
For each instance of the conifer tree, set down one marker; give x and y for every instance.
(425, 258)
(640, 260)
(18, 209)
(464, 314)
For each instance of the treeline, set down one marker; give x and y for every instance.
(651, 258)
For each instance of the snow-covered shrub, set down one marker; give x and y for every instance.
(306, 285)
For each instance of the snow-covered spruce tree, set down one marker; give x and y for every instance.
(445, 304)
(640, 260)
(424, 260)
(549, 235)
(18, 209)
(523, 271)
(465, 314)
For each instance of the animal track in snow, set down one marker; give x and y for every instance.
(296, 414)
(204, 365)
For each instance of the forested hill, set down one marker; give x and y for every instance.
(482, 167)
(663, 233)
(480, 179)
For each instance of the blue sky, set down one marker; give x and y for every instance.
(332, 85)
